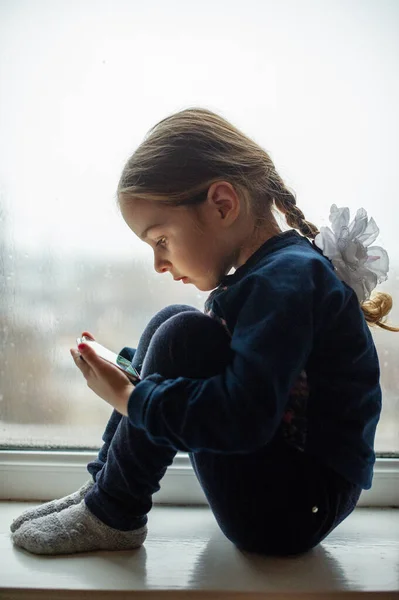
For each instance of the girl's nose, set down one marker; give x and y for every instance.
(161, 266)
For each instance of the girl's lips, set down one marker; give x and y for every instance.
(183, 279)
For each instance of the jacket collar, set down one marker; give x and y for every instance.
(286, 238)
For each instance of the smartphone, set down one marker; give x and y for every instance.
(115, 359)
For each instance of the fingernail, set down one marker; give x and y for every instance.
(82, 347)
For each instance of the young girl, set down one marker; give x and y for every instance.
(273, 391)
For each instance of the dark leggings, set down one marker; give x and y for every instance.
(276, 500)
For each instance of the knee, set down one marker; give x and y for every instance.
(165, 314)
(193, 328)
(188, 344)
(173, 310)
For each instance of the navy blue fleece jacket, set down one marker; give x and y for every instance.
(287, 313)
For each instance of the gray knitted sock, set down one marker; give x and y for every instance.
(74, 529)
(53, 506)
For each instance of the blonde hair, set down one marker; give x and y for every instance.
(185, 153)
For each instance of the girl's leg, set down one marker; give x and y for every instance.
(97, 464)
(136, 357)
(135, 465)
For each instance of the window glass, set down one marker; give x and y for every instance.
(315, 84)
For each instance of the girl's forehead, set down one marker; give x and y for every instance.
(137, 206)
(141, 214)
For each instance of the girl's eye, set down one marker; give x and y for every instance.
(161, 241)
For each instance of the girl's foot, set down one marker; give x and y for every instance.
(53, 506)
(74, 529)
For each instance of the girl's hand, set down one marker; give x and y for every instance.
(106, 380)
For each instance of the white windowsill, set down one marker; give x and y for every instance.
(44, 475)
(186, 556)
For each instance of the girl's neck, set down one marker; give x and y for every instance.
(257, 237)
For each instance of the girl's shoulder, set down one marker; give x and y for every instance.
(299, 263)
(295, 275)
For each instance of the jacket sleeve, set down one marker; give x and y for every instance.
(240, 409)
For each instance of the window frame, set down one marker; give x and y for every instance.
(30, 475)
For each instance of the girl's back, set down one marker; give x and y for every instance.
(310, 342)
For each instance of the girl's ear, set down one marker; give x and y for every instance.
(223, 200)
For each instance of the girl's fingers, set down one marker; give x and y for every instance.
(80, 362)
(75, 354)
(88, 335)
(90, 356)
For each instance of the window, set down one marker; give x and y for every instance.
(316, 86)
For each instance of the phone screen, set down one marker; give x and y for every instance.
(115, 359)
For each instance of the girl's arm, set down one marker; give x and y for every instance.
(240, 409)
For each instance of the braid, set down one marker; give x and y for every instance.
(376, 308)
(285, 201)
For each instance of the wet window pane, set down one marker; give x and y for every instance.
(47, 300)
(80, 86)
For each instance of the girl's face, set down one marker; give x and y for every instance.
(189, 243)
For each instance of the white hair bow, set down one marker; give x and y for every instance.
(347, 245)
